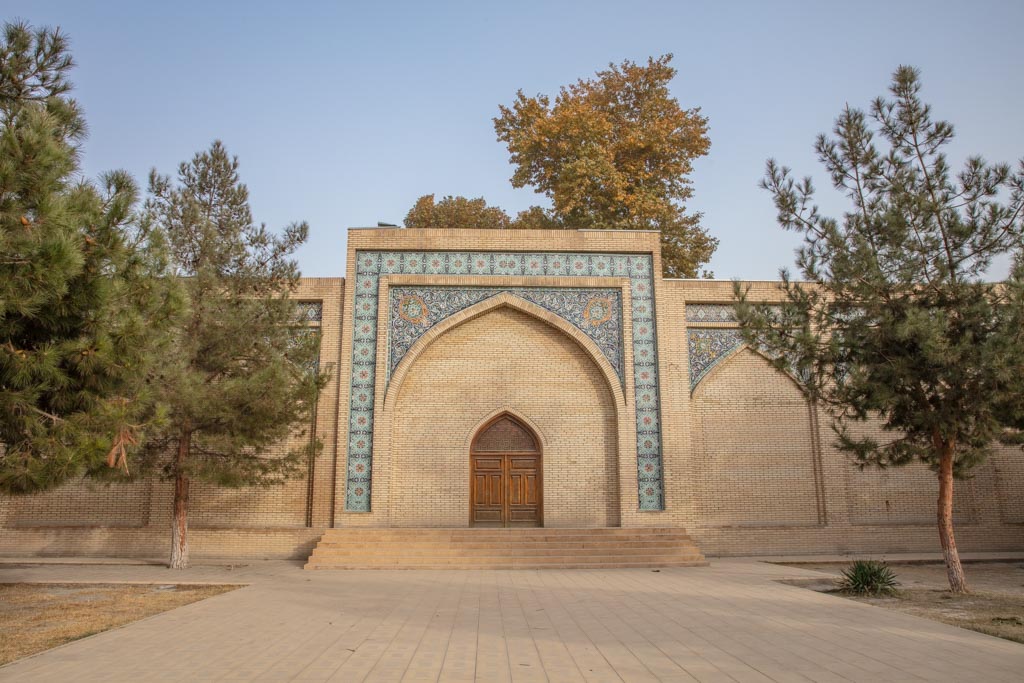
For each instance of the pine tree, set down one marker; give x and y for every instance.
(898, 323)
(83, 305)
(242, 375)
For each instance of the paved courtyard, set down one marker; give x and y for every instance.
(727, 622)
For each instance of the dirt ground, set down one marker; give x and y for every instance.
(35, 617)
(994, 606)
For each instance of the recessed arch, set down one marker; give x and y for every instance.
(520, 366)
(506, 299)
(728, 358)
(515, 414)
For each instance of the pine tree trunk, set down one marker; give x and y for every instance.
(179, 520)
(954, 570)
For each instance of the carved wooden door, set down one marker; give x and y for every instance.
(505, 476)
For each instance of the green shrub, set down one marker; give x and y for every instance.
(868, 577)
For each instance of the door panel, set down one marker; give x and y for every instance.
(488, 491)
(506, 490)
(523, 496)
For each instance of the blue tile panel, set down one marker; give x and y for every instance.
(371, 265)
(708, 347)
(309, 311)
(596, 312)
(710, 313)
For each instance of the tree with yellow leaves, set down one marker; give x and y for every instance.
(615, 152)
(455, 212)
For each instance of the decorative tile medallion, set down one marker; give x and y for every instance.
(432, 304)
(708, 347)
(598, 311)
(411, 308)
(371, 265)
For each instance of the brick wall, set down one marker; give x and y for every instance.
(768, 480)
(748, 468)
(752, 443)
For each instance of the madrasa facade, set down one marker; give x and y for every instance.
(549, 379)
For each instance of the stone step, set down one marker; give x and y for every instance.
(519, 531)
(526, 545)
(519, 541)
(469, 562)
(504, 552)
(444, 557)
(499, 552)
(495, 543)
(504, 548)
(565, 563)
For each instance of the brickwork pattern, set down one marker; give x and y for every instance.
(84, 504)
(519, 365)
(748, 468)
(1007, 470)
(752, 431)
(768, 480)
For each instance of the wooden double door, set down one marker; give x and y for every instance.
(505, 476)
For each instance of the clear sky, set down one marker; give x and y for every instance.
(342, 114)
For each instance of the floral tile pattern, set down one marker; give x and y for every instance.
(414, 310)
(370, 265)
(309, 311)
(710, 313)
(707, 347)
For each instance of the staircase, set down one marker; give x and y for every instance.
(504, 549)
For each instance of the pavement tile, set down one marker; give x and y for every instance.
(729, 622)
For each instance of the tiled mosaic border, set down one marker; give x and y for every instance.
(711, 313)
(371, 265)
(435, 303)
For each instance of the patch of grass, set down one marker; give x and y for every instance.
(995, 614)
(994, 607)
(36, 617)
(868, 577)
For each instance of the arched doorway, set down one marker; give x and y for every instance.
(504, 360)
(505, 480)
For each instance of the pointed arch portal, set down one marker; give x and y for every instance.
(637, 365)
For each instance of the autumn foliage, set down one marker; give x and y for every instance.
(456, 212)
(615, 152)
